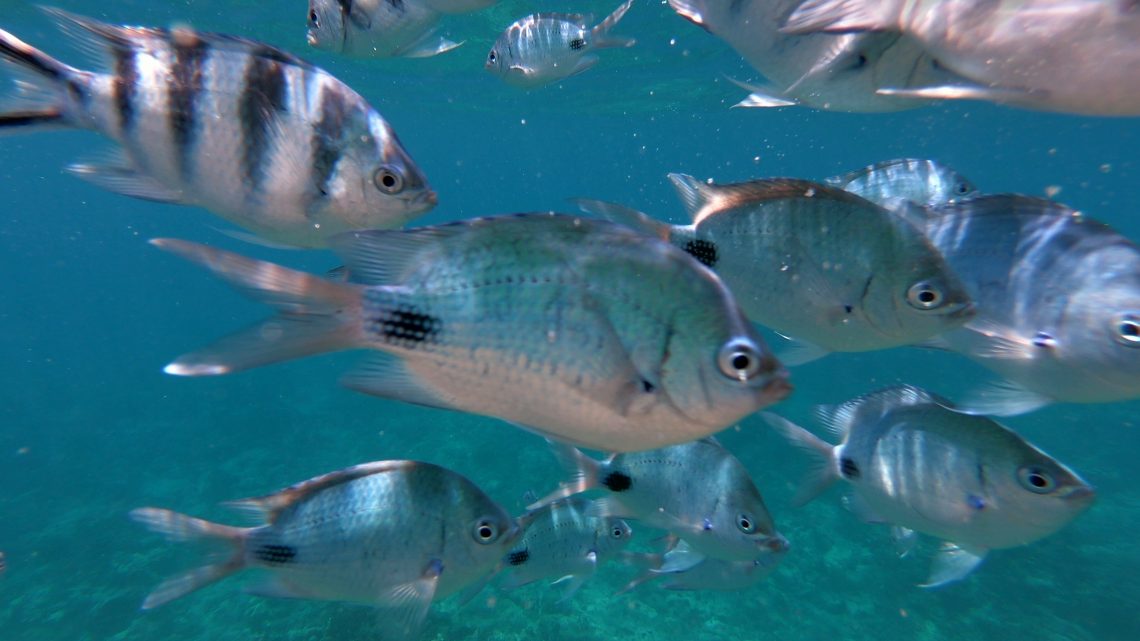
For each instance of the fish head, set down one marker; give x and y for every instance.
(496, 60)
(326, 27)
(612, 534)
(918, 296)
(1099, 339)
(922, 182)
(739, 527)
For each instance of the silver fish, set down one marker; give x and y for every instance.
(710, 574)
(578, 329)
(563, 541)
(251, 133)
(913, 461)
(1075, 56)
(819, 264)
(698, 491)
(376, 28)
(545, 47)
(1058, 300)
(822, 71)
(394, 534)
(924, 182)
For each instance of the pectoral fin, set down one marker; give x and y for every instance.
(953, 563)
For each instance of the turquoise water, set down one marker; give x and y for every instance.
(90, 427)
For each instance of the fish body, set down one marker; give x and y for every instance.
(1058, 300)
(710, 574)
(813, 262)
(545, 47)
(579, 329)
(394, 534)
(1076, 56)
(376, 28)
(838, 72)
(914, 462)
(697, 491)
(563, 541)
(251, 133)
(923, 182)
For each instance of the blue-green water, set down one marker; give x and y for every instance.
(90, 427)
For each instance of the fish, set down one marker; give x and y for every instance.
(697, 491)
(1058, 302)
(544, 47)
(563, 541)
(578, 329)
(253, 134)
(924, 182)
(710, 574)
(833, 72)
(355, 535)
(1072, 56)
(376, 28)
(915, 462)
(834, 271)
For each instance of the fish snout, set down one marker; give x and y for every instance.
(1080, 494)
(775, 544)
(777, 388)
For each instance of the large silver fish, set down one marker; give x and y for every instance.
(698, 491)
(710, 574)
(578, 329)
(1058, 301)
(563, 541)
(545, 47)
(819, 264)
(251, 133)
(394, 534)
(913, 461)
(1077, 56)
(823, 71)
(924, 182)
(376, 28)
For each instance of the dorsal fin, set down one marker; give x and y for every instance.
(702, 199)
(269, 507)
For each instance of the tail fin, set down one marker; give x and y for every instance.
(602, 37)
(179, 527)
(583, 473)
(316, 315)
(39, 79)
(824, 472)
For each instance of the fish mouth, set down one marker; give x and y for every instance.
(1081, 493)
(775, 544)
(311, 39)
(427, 198)
(777, 388)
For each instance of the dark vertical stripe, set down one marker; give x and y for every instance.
(125, 86)
(328, 135)
(262, 99)
(185, 87)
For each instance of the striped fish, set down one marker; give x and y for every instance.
(245, 130)
(545, 47)
(376, 28)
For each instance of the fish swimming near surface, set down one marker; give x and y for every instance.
(834, 271)
(376, 28)
(359, 535)
(255, 135)
(545, 47)
(562, 541)
(698, 491)
(578, 329)
(915, 462)
(710, 574)
(1075, 56)
(923, 182)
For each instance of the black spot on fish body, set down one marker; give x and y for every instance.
(617, 481)
(703, 250)
(647, 387)
(406, 325)
(328, 137)
(848, 468)
(184, 87)
(275, 554)
(518, 557)
(848, 308)
(262, 99)
(577, 44)
(123, 86)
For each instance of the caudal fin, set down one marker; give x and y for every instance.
(316, 315)
(179, 527)
(40, 81)
(583, 472)
(824, 471)
(602, 37)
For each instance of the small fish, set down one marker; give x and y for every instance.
(923, 182)
(1075, 56)
(1058, 302)
(819, 264)
(545, 47)
(255, 135)
(710, 574)
(563, 541)
(915, 462)
(698, 491)
(578, 329)
(376, 28)
(394, 534)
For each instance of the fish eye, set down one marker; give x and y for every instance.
(313, 18)
(924, 295)
(745, 523)
(1036, 480)
(963, 188)
(1127, 329)
(388, 181)
(485, 531)
(739, 359)
(617, 532)
(492, 56)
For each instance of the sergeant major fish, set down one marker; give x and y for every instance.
(251, 133)
(376, 28)
(923, 182)
(359, 534)
(915, 462)
(578, 329)
(545, 47)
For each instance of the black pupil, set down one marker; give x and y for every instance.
(962, 188)
(617, 532)
(484, 532)
(1130, 328)
(740, 361)
(492, 56)
(926, 296)
(745, 523)
(388, 180)
(313, 17)
(1036, 480)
